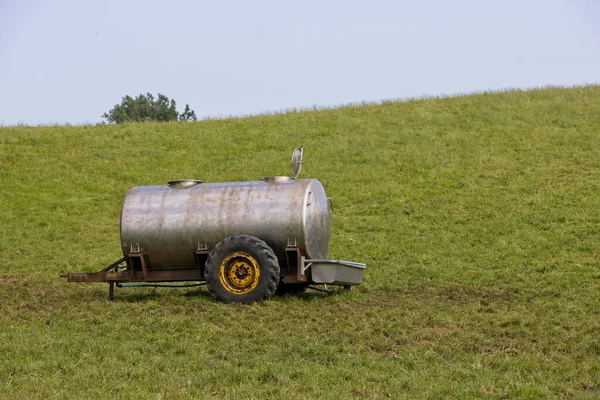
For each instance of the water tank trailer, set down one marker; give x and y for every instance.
(244, 239)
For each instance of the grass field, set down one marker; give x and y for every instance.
(478, 217)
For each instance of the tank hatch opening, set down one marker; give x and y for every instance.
(297, 157)
(184, 183)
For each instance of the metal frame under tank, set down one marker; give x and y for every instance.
(291, 267)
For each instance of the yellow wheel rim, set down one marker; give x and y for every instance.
(239, 272)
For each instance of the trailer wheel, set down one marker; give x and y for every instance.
(241, 269)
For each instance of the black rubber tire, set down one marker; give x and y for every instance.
(291, 288)
(268, 266)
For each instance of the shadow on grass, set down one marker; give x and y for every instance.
(94, 292)
(135, 294)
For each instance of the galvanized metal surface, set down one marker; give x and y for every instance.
(336, 272)
(170, 224)
(297, 158)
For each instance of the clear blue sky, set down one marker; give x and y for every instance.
(68, 61)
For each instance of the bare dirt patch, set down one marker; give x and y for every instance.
(4, 280)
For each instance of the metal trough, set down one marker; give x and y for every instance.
(336, 272)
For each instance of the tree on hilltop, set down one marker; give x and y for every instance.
(145, 108)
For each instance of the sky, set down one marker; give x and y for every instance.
(69, 61)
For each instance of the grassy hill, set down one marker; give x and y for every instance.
(478, 217)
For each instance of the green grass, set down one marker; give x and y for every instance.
(478, 217)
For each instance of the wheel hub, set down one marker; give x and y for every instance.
(239, 272)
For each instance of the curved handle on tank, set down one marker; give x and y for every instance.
(310, 199)
(330, 204)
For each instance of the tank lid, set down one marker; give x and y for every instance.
(183, 183)
(276, 179)
(297, 157)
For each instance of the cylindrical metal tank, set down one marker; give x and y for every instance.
(170, 222)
